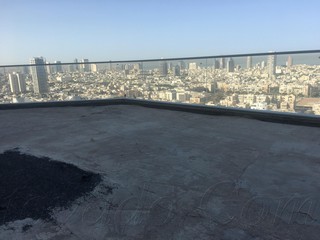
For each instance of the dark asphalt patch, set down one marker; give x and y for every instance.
(30, 187)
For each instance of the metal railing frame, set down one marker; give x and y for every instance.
(169, 59)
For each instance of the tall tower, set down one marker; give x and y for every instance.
(163, 68)
(192, 66)
(222, 63)
(272, 62)
(176, 70)
(49, 68)
(249, 62)
(94, 67)
(58, 68)
(85, 66)
(216, 64)
(39, 75)
(230, 65)
(14, 85)
(289, 61)
(21, 83)
(182, 65)
(76, 66)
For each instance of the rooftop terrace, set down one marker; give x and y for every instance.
(174, 174)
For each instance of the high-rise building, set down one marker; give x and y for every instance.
(230, 65)
(137, 66)
(49, 68)
(249, 62)
(58, 68)
(39, 75)
(163, 71)
(176, 70)
(128, 67)
(192, 66)
(85, 66)
(182, 65)
(21, 83)
(14, 85)
(272, 62)
(94, 68)
(222, 63)
(75, 66)
(289, 61)
(216, 64)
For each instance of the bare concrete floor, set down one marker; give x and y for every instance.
(175, 175)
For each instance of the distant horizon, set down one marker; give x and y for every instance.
(124, 30)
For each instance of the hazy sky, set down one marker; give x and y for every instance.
(134, 29)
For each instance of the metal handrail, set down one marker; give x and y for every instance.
(169, 59)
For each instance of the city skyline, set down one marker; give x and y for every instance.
(130, 30)
(268, 82)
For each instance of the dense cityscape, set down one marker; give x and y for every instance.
(264, 85)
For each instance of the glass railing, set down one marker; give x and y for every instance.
(275, 81)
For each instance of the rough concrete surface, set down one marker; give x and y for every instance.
(174, 175)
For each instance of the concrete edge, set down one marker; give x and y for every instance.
(269, 116)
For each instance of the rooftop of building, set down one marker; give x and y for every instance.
(308, 102)
(174, 174)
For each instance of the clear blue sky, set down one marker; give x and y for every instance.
(133, 29)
